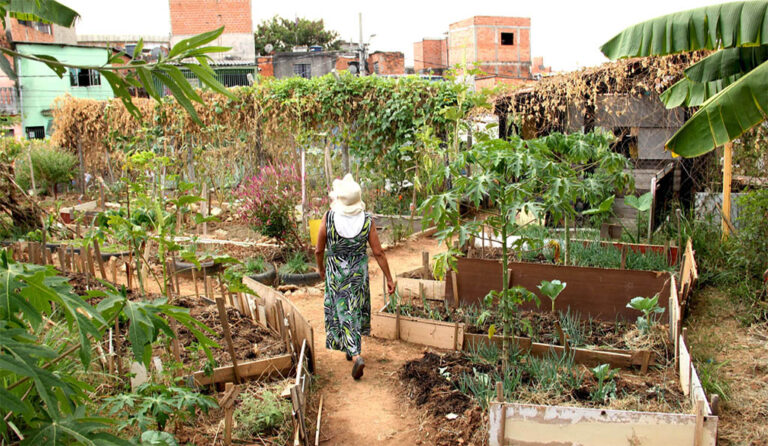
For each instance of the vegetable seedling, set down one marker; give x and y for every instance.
(649, 306)
(552, 290)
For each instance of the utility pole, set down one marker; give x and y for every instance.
(362, 45)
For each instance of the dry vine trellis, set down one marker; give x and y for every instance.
(369, 115)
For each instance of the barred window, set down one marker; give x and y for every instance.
(79, 77)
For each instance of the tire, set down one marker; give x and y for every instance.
(305, 279)
(268, 277)
(186, 267)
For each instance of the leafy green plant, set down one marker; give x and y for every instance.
(554, 372)
(552, 290)
(255, 265)
(606, 387)
(156, 405)
(261, 415)
(43, 399)
(297, 263)
(479, 385)
(642, 205)
(649, 306)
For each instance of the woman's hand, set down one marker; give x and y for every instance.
(390, 286)
(321, 270)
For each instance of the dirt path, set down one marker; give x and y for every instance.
(735, 357)
(369, 411)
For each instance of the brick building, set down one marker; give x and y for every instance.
(386, 63)
(430, 55)
(190, 17)
(499, 46)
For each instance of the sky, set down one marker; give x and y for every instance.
(567, 33)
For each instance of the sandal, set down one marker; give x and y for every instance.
(349, 357)
(357, 369)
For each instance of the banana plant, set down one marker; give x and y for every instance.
(728, 85)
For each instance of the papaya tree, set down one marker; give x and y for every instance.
(543, 177)
(729, 85)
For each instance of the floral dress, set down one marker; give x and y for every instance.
(347, 291)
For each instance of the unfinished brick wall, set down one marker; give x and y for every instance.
(480, 39)
(266, 68)
(24, 33)
(190, 17)
(430, 54)
(197, 16)
(386, 62)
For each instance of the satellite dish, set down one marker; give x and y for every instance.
(268, 48)
(353, 69)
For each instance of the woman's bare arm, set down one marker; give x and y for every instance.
(320, 248)
(381, 258)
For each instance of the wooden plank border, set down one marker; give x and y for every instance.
(535, 425)
(262, 368)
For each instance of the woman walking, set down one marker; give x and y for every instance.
(343, 262)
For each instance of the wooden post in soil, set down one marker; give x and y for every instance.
(500, 400)
(727, 173)
(623, 256)
(89, 259)
(228, 336)
(97, 252)
(128, 278)
(455, 280)
(42, 247)
(62, 259)
(319, 414)
(425, 263)
(194, 281)
(227, 403)
(113, 265)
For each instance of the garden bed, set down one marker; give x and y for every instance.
(252, 340)
(457, 388)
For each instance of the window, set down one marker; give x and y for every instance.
(507, 38)
(40, 26)
(83, 78)
(302, 69)
(37, 132)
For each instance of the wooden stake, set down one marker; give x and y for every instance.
(114, 271)
(228, 418)
(228, 336)
(623, 256)
(425, 262)
(646, 361)
(62, 258)
(727, 173)
(100, 261)
(319, 414)
(42, 248)
(89, 259)
(175, 346)
(194, 280)
(49, 254)
(698, 433)
(455, 280)
(128, 275)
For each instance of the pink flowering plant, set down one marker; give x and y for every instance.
(269, 201)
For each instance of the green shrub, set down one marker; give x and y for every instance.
(265, 415)
(51, 166)
(296, 264)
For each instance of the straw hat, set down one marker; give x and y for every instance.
(345, 196)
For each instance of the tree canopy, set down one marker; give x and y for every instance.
(284, 33)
